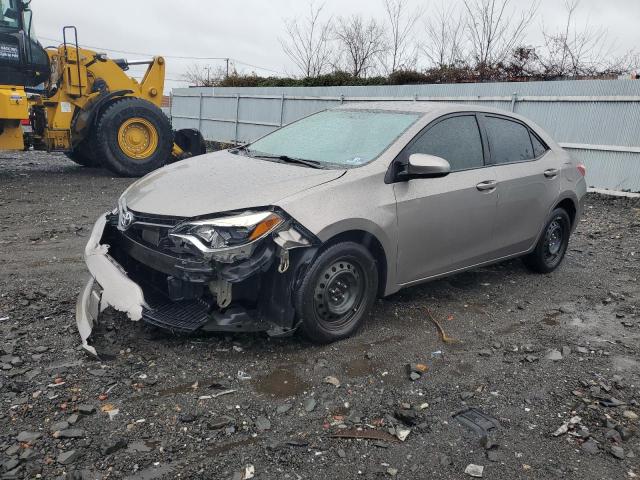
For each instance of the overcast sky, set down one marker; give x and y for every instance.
(248, 30)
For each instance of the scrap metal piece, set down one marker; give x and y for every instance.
(368, 434)
(443, 336)
(479, 422)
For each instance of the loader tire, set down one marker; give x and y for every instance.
(83, 155)
(132, 137)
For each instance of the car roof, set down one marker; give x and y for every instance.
(423, 107)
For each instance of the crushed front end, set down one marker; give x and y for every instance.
(234, 272)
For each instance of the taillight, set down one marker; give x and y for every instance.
(582, 169)
(25, 121)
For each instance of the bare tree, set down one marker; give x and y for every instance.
(204, 75)
(444, 37)
(400, 52)
(585, 51)
(307, 43)
(494, 30)
(360, 43)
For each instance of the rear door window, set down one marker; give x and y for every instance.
(456, 139)
(509, 141)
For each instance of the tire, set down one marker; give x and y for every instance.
(349, 269)
(552, 245)
(148, 149)
(83, 155)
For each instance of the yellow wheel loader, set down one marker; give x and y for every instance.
(82, 102)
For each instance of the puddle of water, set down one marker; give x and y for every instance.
(280, 383)
(360, 367)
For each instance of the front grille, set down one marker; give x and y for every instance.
(153, 232)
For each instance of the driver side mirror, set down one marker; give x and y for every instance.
(422, 165)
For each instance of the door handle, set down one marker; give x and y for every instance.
(487, 185)
(551, 172)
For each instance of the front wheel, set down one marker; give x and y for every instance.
(337, 292)
(552, 245)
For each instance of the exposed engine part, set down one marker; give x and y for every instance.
(221, 289)
(284, 261)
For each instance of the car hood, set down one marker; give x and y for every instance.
(220, 182)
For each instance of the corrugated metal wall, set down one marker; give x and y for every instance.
(597, 120)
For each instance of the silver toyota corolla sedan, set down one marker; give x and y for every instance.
(303, 228)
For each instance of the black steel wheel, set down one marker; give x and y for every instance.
(552, 245)
(337, 292)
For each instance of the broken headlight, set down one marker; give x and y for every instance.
(234, 235)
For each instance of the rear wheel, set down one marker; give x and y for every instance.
(133, 137)
(552, 245)
(337, 292)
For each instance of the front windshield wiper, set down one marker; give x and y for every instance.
(288, 159)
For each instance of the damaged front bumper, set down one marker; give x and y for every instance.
(108, 286)
(183, 293)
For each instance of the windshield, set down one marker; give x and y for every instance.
(347, 138)
(9, 14)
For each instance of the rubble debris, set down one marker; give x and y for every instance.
(369, 434)
(564, 428)
(262, 424)
(220, 422)
(474, 470)
(590, 446)
(611, 402)
(284, 408)
(629, 414)
(309, 404)
(479, 422)
(416, 370)
(28, 437)
(86, 409)
(400, 432)
(554, 355)
(69, 457)
(247, 473)
(113, 445)
(331, 380)
(617, 452)
(407, 416)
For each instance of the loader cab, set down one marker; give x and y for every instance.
(23, 60)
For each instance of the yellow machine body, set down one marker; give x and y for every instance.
(81, 77)
(13, 108)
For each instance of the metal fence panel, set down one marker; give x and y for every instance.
(598, 121)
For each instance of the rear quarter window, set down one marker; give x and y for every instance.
(539, 148)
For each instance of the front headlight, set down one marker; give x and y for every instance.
(233, 233)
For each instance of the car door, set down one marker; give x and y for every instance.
(528, 182)
(446, 223)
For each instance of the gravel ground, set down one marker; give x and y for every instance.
(537, 353)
